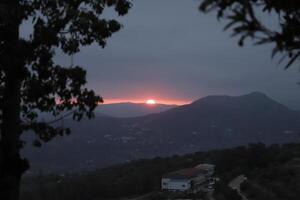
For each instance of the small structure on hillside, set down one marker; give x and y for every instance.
(190, 180)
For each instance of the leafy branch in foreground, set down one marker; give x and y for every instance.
(243, 18)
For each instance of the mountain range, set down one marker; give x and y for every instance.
(213, 122)
(128, 109)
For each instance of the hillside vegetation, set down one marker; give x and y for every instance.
(275, 182)
(269, 168)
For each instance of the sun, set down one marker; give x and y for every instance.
(151, 102)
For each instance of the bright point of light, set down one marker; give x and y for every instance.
(150, 102)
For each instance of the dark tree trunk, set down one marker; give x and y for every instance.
(11, 165)
(11, 168)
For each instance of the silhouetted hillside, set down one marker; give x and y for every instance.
(271, 170)
(213, 122)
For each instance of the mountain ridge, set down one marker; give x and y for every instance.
(210, 123)
(129, 109)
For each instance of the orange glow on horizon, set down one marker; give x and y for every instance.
(157, 101)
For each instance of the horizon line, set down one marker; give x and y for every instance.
(143, 101)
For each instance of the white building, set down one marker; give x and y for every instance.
(187, 180)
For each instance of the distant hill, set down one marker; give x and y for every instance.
(128, 109)
(213, 122)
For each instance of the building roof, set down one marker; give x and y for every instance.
(205, 166)
(187, 173)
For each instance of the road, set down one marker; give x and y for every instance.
(210, 195)
(236, 185)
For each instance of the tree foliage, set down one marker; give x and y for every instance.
(45, 85)
(256, 161)
(32, 82)
(245, 19)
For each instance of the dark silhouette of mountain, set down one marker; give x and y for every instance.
(213, 122)
(128, 109)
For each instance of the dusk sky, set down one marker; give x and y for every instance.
(170, 52)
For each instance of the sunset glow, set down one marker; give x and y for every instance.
(158, 101)
(151, 102)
